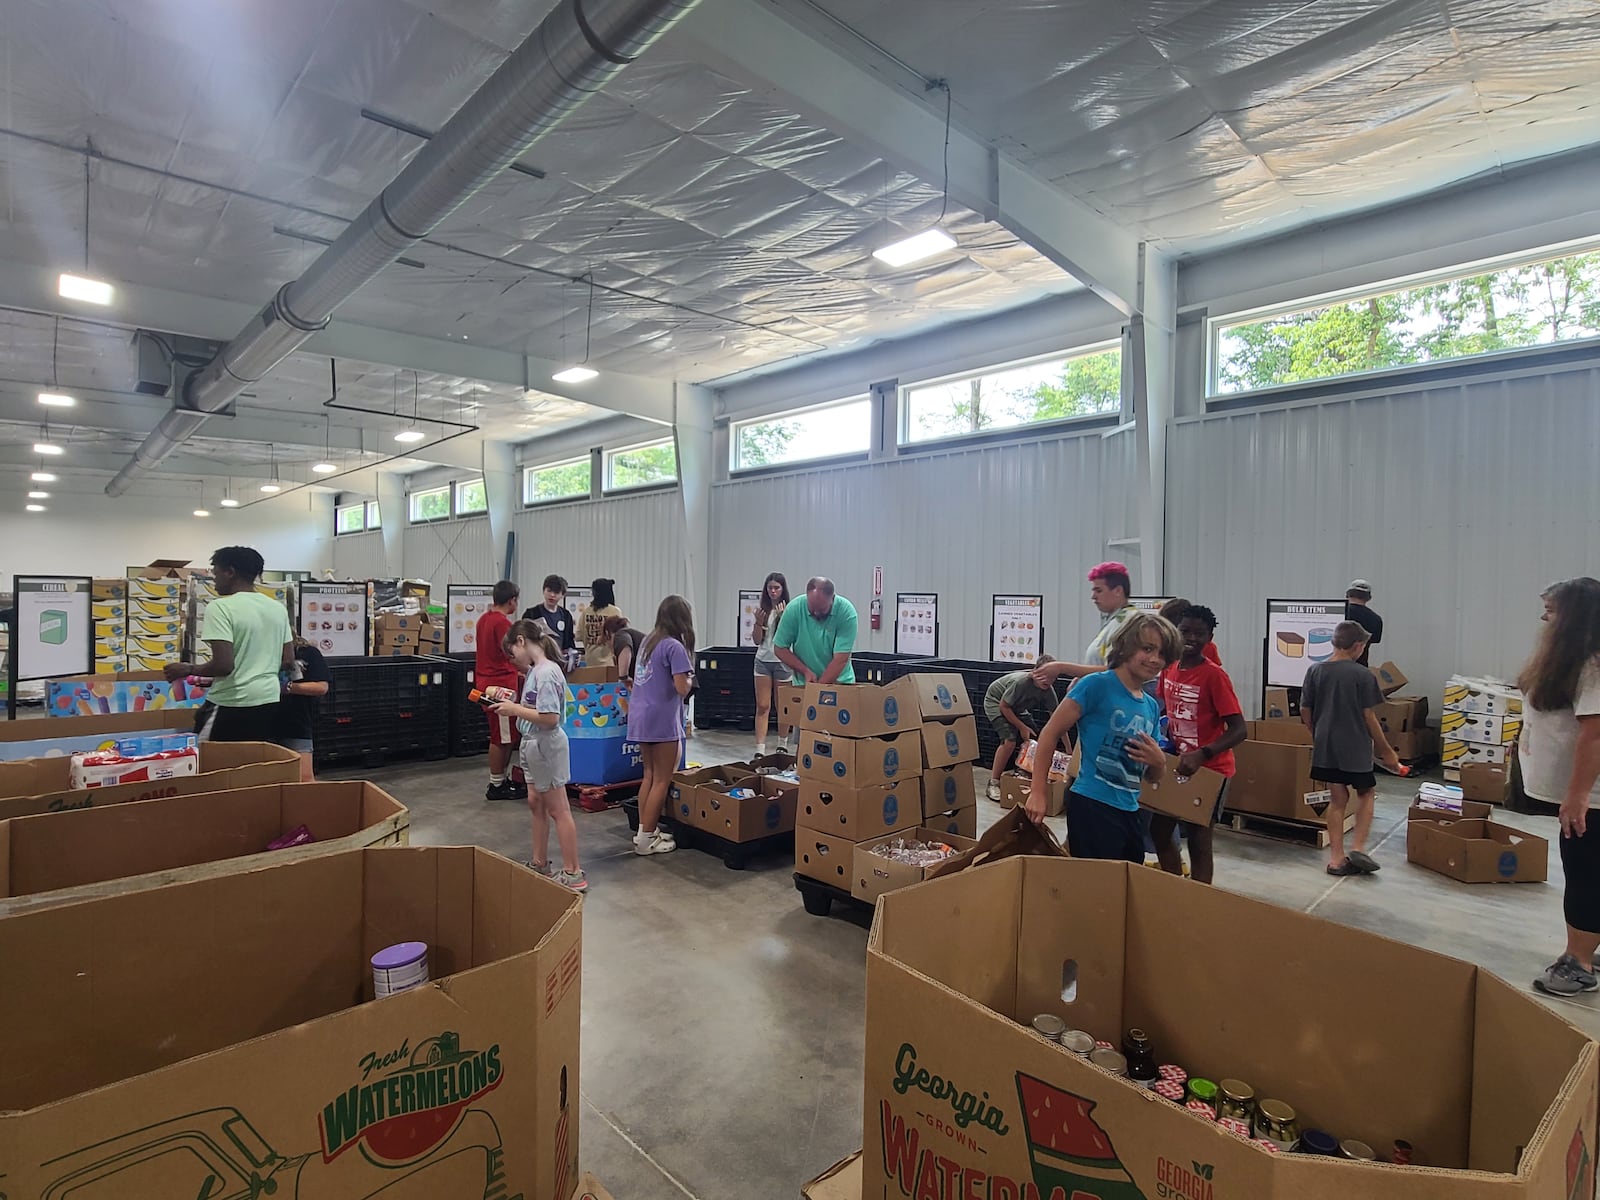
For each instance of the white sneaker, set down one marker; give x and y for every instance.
(993, 791)
(658, 842)
(761, 749)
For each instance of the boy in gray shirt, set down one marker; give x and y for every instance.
(1004, 702)
(1338, 704)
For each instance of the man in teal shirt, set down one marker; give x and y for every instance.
(815, 641)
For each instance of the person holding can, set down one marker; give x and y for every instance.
(1559, 750)
(1205, 722)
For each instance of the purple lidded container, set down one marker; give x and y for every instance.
(399, 967)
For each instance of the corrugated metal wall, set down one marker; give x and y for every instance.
(451, 552)
(636, 540)
(1458, 502)
(360, 556)
(1014, 517)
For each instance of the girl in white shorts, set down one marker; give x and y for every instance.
(545, 758)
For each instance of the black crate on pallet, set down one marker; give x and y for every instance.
(874, 667)
(725, 677)
(469, 723)
(378, 708)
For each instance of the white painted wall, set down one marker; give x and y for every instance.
(92, 534)
(965, 523)
(636, 540)
(361, 556)
(451, 552)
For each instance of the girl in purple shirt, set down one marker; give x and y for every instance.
(661, 682)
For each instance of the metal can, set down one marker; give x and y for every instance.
(1203, 1090)
(1277, 1122)
(1050, 1026)
(1079, 1042)
(1236, 1099)
(1351, 1148)
(1317, 1141)
(1110, 1060)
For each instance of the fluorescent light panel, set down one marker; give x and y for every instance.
(915, 248)
(229, 502)
(575, 375)
(38, 495)
(79, 287)
(201, 512)
(35, 508)
(56, 399)
(270, 488)
(46, 448)
(42, 477)
(324, 468)
(409, 436)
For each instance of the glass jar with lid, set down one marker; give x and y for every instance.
(1236, 1099)
(1277, 1123)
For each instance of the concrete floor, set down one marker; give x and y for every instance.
(722, 1026)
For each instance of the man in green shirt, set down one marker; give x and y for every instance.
(815, 640)
(250, 641)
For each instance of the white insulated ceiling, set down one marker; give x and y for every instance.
(724, 231)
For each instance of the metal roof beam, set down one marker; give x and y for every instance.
(798, 60)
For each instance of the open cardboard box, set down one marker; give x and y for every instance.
(1477, 851)
(1496, 1092)
(941, 696)
(41, 785)
(1390, 678)
(873, 875)
(842, 1181)
(1014, 788)
(218, 1038)
(1273, 778)
(60, 858)
(1485, 782)
(68, 735)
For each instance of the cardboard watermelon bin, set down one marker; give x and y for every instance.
(1365, 1038)
(220, 1038)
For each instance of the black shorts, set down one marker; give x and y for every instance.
(1361, 781)
(1097, 830)
(215, 723)
(1580, 861)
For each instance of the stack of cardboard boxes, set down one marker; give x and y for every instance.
(735, 803)
(1449, 833)
(108, 606)
(874, 761)
(1482, 718)
(401, 634)
(155, 623)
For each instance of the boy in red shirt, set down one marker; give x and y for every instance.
(1205, 723)
(494, 669)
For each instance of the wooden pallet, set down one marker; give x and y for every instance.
(1305, 833)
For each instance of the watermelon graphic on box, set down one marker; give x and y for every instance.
(1067, 1147)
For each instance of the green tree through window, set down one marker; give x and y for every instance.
(560, 482)
(1512, 308)
(644, 465)
(1084, 385)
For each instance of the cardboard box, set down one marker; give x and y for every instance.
(824, 857)
(162, 631)
(592, 675)
(873, 875)
(1400, 714)
(590, 1188)
(1014, 793)
(1481, 728)
(941, 696)
(951, 743)
(842, 1181)
(1286, 732)
(153, 608)
(1275, 704)
(131, 691)
(400, 622)
(1273, 779)
(230, 1042)
(945, 789)
(962, 822)
(1470, 810)
(1456, 754)
(769, 813)
(152, 662)
(1485, 782)
(791, 703)
(402, 641)
(177, 569)
(1390, 678)
(61, 858)
(691, 793)
(1477, 851)
(108, 589)
(398, 651)
(154, 589)
(1415, 744)
(1491, 697)
(42, 785)
(860, 762)
(857, 814)
(64, 735)
(1192, 798)
(861, 710)
(962, 1095)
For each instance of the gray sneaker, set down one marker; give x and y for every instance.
(1364, 862)
(545, 869)
(1565, 977)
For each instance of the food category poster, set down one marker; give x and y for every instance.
(52, 634)
(1016, 629)
(916, 623)
(465, 603)
(1148, 603)
(333, 618)
(1299, 633)
(578, 599)
(749, 605)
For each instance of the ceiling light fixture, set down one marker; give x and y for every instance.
(272, 487)
(42, 477)
(229, 502)
(38, 495)
(81, 287)
(411, 435)
(202, 512)
(580, 372)
(56, 400)
(326, 467)
(35, 507)
(47, 448)
(919, 246)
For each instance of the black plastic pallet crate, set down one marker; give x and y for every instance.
(469, 723)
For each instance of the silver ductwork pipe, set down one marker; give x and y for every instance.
(573, 53)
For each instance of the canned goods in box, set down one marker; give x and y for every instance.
(1079, 1042)
(399, 967)
(1110, 1060)
(1050, 1025)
